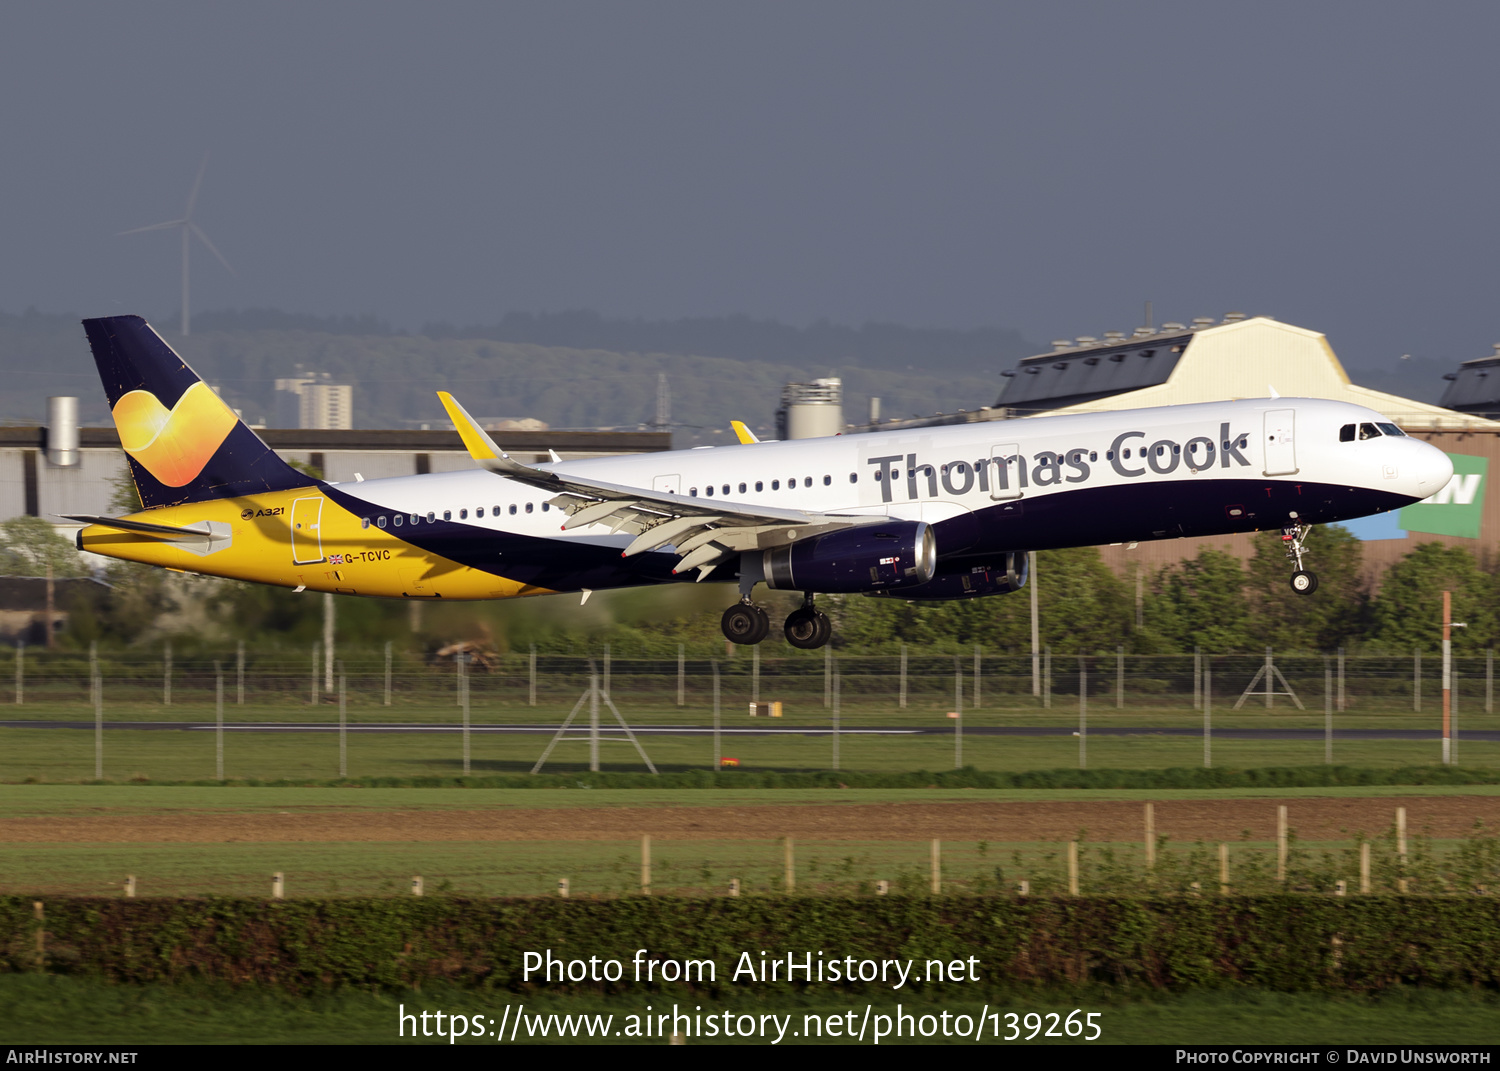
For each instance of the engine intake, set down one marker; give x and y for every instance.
(876, 557)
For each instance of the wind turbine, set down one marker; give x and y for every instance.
(189, 229)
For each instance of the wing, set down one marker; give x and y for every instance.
(704, 531)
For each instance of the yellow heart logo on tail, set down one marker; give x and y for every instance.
(174, 444)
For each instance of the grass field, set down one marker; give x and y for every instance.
(56, 1010)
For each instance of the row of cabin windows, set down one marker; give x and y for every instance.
(760, 485)
(431, 518)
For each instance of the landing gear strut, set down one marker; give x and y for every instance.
(1292, 538)
(807, 627)
(746, 623)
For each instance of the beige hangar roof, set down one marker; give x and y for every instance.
(1240, 358)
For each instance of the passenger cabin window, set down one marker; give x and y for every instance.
(380, 521)
(776, 485)
(726, 488)
(1346, 433)
(827, 481)
(364, 522)
(807, 482)
(854, 477)
(478, 511)
(760, 485)
(709, 490)
(396, 520)
(528, 507)
(1369, 431)
(463, 514)
(512, 509)
(448, 514)
(742, 488)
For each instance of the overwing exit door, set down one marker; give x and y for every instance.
(307, 538)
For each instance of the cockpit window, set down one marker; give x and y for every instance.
(1391, 429)
(1346, 433)
(1368, 431)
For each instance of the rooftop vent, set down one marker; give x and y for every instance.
(1173, 325)
(1112, 335)
(1200, 322)
(1087, 340)
(1233, 317)
(1141, 331)
(1061, 344)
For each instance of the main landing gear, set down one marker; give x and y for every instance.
(1292, 538)
(806, 627)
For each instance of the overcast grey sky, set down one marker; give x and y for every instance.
(1042, 166)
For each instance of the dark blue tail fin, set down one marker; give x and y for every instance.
(183, 443)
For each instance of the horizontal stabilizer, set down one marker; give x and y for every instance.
(137, 526)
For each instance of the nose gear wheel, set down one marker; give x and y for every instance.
(1293, 539)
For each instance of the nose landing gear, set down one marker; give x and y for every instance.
(1292, 538)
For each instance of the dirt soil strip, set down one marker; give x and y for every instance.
(1182, 820)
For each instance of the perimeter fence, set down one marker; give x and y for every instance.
(970, 680)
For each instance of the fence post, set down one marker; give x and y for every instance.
(718, 748)
(1208, 713)
(1341, 706)
(902, 699)
(312, 699)
(606, 671)
(166, 673)
(594, 719)
(1281, 844)
(1031, 582)
(1150, 811)
(1327, 713)
(836, 733)
(463, 685)
(1047, 678)
(1364, 867)
(1197, 677)
(1083, 714)
(1120, 677)
(1223, 869)
(343, 725)
(218, 721)
(1072, 868)
(937, 867)
(681, 675)
(278, 886)
(827, 677)
(789, 864)
(1416, 680)
(385, 700)
(20, 672)
(1401, 848)
(239, 673)
(1489, 681)
(1270, 678)
(330, 612)
(645, 864)
(96, 682)
(531, 694)
(754, 674)
(978, 673)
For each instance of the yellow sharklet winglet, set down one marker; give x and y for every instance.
(742, 433)
(476, 440)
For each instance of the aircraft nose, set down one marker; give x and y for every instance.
(1430, 469)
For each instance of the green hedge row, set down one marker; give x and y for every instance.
(1288, 943)
(968, 777)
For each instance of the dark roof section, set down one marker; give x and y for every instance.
(1475, 387)
(1073, 376)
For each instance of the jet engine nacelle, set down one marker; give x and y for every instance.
(874, 557)
(1008, 573)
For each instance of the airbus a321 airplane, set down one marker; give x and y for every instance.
(926, 513)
